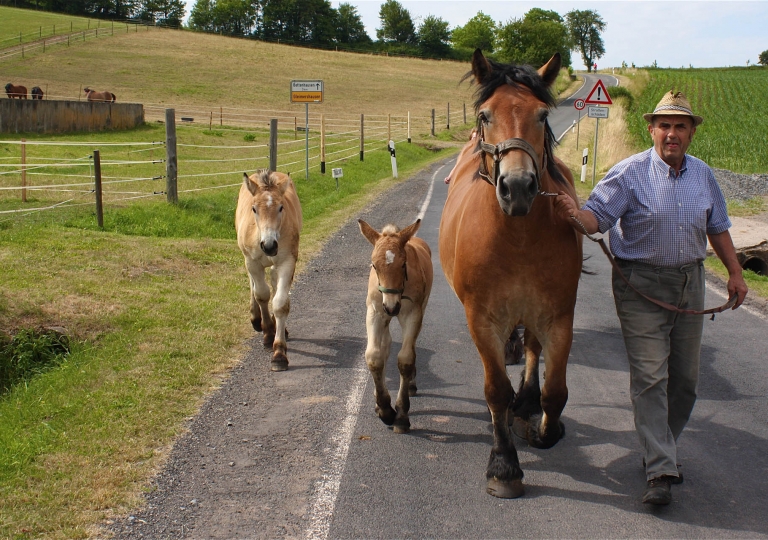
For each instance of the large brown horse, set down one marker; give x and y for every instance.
(16, 91)
(92, 95)
(510, 260)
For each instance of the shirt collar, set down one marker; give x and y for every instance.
(666, 169)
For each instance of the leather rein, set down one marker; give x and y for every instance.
(497, 153)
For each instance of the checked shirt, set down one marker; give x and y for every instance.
(655, 216)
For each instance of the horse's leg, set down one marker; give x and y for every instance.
(554, 392)
(282, 277)
(513, 348)
(528, 400)
(505, 477)
(259, 305)
(376, 355)
(406, 364)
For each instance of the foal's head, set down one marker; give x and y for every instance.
(389, 262)
(512, 104)
(267, 190)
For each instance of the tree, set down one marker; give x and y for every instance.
(434, 37)
(170, 12)
(396, 24)
(534, 39)
(763, 58)
(584, 28)
(478, 33)
(230, 17)
(299, 21)
(349, 25)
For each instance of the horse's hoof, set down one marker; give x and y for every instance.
(256, 323)
(280, 364)
(537, 441)
(520, 427)
(505, 489)
(387, 415)
(401, 426)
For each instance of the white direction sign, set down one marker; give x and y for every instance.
(597, 112)
(306, 91)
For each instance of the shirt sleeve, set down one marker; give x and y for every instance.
(609, 199)
(717, 220)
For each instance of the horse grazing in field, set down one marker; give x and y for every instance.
(399, 284)
(37, 92)
(510, 260)
(268, 222)
(92, 95)
(14, 91)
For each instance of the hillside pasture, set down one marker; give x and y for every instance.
(733, 105)
(34, 25)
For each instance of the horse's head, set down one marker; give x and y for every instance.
(512, 106)
(267, 190)
(8, 87)
(389, 262)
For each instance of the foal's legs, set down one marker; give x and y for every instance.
(260, 318)
(376, 355)
(282, 277)
(406, 364)
(505, 477)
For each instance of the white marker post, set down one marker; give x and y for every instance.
(394, 160)
(338, 173)
(584, 159)
(597, 113)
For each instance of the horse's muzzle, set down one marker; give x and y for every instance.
(269, 247)
(516, 193)
(392, 312)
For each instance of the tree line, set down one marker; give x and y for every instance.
(531, 39)
(165, 12)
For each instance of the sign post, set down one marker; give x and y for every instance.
(579, 104)
(584, 159)
(598, 96)
(306, 92)
(337, 173)
(393, 159)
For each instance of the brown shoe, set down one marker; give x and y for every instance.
(659, 491)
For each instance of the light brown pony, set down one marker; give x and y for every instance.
(510, 260)
(92, 95)
(16, 91)
(268, 222)
(398, 286)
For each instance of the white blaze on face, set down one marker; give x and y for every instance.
(390, 257)
(269, 201)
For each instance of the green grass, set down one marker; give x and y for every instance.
(733, 105)
(34, 25)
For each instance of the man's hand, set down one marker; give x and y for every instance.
(567, 209)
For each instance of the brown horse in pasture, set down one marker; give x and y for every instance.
(37, 92)
(14, 91)
(92, 95)
(399, 284)
(510, 260)
(268, 222)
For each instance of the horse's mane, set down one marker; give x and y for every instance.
(517, 76)
(390, 229)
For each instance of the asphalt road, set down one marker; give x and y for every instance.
(302, 453)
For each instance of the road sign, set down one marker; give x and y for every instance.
(599, 95)
(579, 104)
(306, 91)
(337, 173)
(597, 112)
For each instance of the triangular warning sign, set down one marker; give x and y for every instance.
(599, 95)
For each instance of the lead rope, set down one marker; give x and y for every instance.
(729, 304)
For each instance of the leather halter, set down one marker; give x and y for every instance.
(393, 291)
(497, 153)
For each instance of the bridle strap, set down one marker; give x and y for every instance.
(393, 291)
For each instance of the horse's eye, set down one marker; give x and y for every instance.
(254, 209)
(543, 116)
(483, 118)
(280, 209)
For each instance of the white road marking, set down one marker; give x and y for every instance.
(326, 490)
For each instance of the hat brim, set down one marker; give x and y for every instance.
(697, 120)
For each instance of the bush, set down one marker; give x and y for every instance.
(29, 353)
(622, 92)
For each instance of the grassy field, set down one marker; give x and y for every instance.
(35, 25)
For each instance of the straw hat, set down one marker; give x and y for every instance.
(674, 103)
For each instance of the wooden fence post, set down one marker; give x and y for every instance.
(210, 122)
(433, 122)
(221, 114)
(322, 144)
(409, 126)
(97, 190)
(23, 170)
(389, 128)
(362, 137)
(465, 113)
(171, 163)
(448, 117)
(273, 144)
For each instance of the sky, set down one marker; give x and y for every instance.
(674, 34)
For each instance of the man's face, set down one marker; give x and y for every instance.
(672, 135)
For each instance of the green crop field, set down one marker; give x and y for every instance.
(732, 102)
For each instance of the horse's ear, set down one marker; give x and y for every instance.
(481, 69)
(409, 231)
(250, 185)
(551, 69)
(371, 234)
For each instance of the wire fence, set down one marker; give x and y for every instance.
(47, 175)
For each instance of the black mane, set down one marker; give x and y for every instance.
(519, 76)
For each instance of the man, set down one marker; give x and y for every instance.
(661, 206)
